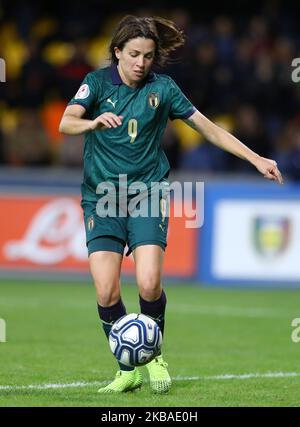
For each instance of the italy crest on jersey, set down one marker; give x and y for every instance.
(153, 99)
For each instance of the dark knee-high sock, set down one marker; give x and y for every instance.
(108, 316)
(155, 309)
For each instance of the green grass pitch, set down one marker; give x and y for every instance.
(225, 347)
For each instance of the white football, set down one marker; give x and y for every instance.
(135, 339)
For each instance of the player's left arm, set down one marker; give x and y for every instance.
(224, 140)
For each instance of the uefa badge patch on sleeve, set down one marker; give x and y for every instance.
(153, 100)
(83, 92)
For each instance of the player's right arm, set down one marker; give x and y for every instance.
(73, 123)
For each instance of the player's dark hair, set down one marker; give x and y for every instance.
(166, 35)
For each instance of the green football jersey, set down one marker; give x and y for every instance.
(134, 148)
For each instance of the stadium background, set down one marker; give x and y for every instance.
(235, 68)
(232, 339)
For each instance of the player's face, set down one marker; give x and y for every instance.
(135, 60)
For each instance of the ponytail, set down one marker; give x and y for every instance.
(170, 38)
(166, 35)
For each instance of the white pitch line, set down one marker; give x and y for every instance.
(79, 384)
(225, 311)
(52, 386)
(240, 377)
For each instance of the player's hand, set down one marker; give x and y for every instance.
(106, 121)
(269, 169)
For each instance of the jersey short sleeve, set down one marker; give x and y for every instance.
(86, 94)
(181, 107)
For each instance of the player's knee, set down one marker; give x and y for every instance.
(107, 295)
(150, 287)
(108, 299)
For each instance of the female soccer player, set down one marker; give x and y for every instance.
(123, 110)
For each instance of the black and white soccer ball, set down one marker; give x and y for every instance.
(135, 339)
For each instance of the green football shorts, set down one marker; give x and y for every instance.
(143, 223)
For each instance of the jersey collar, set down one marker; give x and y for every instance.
(116, 78)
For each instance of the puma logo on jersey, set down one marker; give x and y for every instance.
(113, 103)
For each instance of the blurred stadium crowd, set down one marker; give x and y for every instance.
(235, 68)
